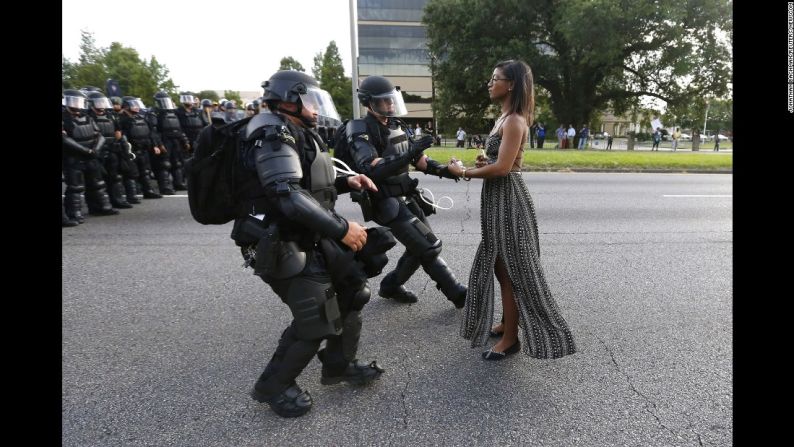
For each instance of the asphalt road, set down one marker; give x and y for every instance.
(164, 333)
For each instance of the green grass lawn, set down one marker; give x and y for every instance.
(556, 159)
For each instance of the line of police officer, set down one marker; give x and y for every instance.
(113, 149)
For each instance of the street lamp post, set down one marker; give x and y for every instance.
(354, 58)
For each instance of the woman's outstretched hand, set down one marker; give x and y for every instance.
(455, 167)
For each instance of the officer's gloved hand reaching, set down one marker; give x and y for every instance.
(419, 145)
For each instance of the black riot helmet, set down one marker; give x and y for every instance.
(74, 100)
(98, 101)
(115, 100)
(257, 104)
(133, 104)
(301, 89)
(163, 101)
(187, 98)
(379, 95)
(206, 103)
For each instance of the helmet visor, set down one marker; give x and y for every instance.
(166, 103)
(389, 104)
(75, 102)
(319, 101)
(101, 103)
(187, 99)
(136, 104)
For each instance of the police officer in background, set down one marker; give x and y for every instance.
(82, 171)
(310, 256)
(174, 144)
(206, 112)
(128, 168)
(379, 146)
(139, 131)
(189, 119)
(113, 150)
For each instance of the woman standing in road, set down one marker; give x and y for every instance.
(510, 246)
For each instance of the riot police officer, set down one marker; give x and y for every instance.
(144, 140)
(82, 171)
(127, 167)
(206, 112)
(189, 118)
(379, 146)
(113, 152)
(310, 256)
(169, 165)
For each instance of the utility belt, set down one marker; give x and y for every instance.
(264, 249)
(396, 186)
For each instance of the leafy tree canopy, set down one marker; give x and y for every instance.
(588, 55)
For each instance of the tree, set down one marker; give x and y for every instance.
(330, 73)
(588, 54)
(136, 76)
(209, 94)
(288, 63)
(232, 95)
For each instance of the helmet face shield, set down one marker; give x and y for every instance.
(388, 104)
(187, 99)
(74, 102)
(319, 101)
(101, 103)
(135, 105)
(166, 103)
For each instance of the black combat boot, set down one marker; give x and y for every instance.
(131, 190)
(290, 403)
(445, 281)
(392, 284)
(354, 372)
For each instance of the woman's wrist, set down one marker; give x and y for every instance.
(464, 175)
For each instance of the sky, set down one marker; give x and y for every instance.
(213, 45)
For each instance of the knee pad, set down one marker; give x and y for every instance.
(360, 298)
(314, 308)
(417, 237)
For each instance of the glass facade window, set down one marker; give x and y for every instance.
(391, 10)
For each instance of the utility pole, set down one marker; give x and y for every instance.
(354, 57)
(707, 117)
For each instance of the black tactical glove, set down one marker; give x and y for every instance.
(419, 145)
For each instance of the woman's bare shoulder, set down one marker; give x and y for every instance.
(516, 120)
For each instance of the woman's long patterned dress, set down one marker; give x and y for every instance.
(510, 231)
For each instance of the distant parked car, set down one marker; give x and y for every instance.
(599, 135)
(722, 137)
(686, 137)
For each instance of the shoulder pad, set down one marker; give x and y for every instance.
(262, 119)
(356, 127)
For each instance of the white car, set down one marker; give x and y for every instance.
(722, 137)
(686, 137)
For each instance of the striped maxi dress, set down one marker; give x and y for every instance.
(510, 230)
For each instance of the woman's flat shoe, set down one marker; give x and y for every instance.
(493, 333)
(493, 355)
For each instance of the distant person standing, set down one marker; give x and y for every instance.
(676, 137)
(560, 137)
(584, 134)
(541, 135)
(717, 141)
(571, 136)
(417, 131)
(461, 137)
(609, 141)
(657, 138)
(532, 134)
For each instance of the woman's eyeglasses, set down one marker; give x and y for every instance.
(494, 79)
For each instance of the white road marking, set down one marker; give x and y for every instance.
(698, 195)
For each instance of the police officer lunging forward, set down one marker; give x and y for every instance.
(310, 256)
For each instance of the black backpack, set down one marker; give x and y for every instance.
(211, 172)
